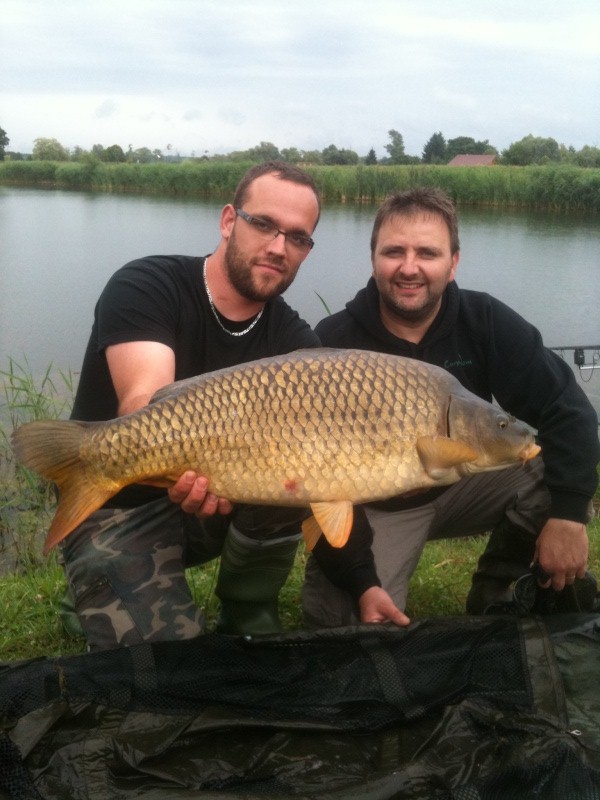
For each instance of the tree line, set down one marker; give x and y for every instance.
(530, 150)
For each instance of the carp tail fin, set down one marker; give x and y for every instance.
(51, 448)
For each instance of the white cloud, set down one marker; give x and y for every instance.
(306, 75)
(108, 108)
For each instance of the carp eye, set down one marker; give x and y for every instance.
(502, 422)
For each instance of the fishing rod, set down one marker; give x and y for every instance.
(579, 355)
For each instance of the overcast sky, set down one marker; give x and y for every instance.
(221, 75)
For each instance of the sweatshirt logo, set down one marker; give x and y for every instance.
(460, 362)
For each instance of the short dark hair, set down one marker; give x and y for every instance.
(421, 199)
(283, 171)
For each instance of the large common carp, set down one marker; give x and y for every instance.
(320, 428)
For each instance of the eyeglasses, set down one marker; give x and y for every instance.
(270, 231)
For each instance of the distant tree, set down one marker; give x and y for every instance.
(291, 155)
(396, 148)
(312, 157)
(588, 156)
(143, 155)
(77, 153)
(348, 156)
(532, 150)
(466, 145)
(330, 155)
(98, 151)
(370, 158)
(49, 150)
(114, 153)
(567, 155)
(4, 140)
(434, 151)
(157, 154)
(333, 155)
(265, 151)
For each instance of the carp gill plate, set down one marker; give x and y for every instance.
(321, 428)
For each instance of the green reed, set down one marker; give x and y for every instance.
(26, 500)
(552, 187)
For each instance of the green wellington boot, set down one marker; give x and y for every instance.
(506, 558)
(68, 616)
(251, 575)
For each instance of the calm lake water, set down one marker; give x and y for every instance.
(58, 248)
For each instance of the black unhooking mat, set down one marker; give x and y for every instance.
(461, 708)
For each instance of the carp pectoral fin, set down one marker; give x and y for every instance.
(334, 520)
(440, 454)
(159, 482)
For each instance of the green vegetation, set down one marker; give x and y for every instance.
(554, 187)
(31, 626)
(31, 586)
(526, 151)
(26, 501)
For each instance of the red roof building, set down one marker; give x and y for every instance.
(472, 161)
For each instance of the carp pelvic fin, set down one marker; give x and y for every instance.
(311, 532)
(334, 520)
(439, 455)
(51, 448)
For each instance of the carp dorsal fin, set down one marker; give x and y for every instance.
(333, 519)
(172, 389)
(439, 454)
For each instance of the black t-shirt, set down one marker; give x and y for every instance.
(162, 299)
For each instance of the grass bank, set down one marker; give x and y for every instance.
(557, 188)
(31, 586)
(31, 626)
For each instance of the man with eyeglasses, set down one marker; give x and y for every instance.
(161, 319)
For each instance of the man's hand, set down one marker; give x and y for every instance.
(562, 552)
(191, 493)
(377, 606)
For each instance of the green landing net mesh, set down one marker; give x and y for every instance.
(459, 708)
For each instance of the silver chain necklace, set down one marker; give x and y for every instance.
(216, 313)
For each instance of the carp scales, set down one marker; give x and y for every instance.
(322, 428)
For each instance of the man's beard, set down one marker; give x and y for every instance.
(239, 272)
(410, 314)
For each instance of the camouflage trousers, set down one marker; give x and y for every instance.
(474, 505)
(126, 567)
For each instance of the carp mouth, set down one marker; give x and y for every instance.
(530, 451)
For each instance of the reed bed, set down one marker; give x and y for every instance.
(551, 187)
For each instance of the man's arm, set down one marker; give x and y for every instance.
(562, 552)
(352, 569)
(138, 370)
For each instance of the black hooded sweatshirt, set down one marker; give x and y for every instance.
(497, 355)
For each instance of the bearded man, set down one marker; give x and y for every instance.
(165, 318)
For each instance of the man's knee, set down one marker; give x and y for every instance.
(323, 604)
(530, 508)
(128, 582)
